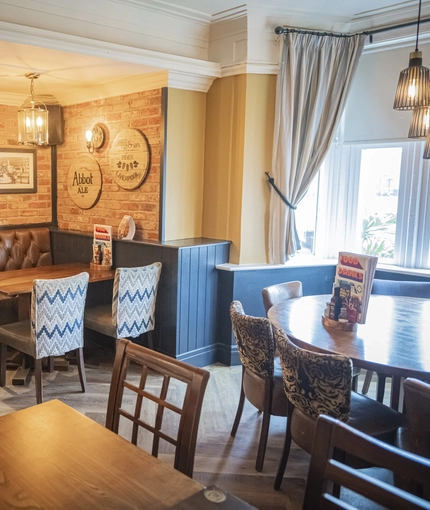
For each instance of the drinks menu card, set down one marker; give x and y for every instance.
(102, 245)
(354, 277)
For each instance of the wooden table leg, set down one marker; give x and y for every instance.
(22, 374)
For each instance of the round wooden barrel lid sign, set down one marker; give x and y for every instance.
(130, 158)
(84, 181)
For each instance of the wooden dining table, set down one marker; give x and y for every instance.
(53, 457)
(395, 340)
(19, 282)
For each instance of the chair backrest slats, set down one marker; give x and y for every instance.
(169, 370)
(333, 437)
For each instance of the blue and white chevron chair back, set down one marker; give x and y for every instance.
(57, 314)
(134, 296)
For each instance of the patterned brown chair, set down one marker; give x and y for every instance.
(317, 383)
(261, 372)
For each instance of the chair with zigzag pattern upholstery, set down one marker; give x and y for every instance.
(132, 312)
(56, 326)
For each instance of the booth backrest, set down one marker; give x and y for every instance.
(20, 249)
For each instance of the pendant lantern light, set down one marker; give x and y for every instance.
(420, 123)
(413, 88)
(426, 154)
(33, 119)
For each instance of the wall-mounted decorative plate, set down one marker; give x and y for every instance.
(130, 158)
(84, 181)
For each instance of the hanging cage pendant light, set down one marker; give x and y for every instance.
(420, 123)
(413, 88)
(33, 119)
(426, 154)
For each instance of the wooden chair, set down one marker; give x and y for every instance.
(416, 437)
(261, 373)
(332, 437)
(317, 383)
(149, 361)
(393, 288)
(132, 312)
(281, 292)
(55, 328)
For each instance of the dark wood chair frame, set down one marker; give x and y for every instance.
(333, 437)
(196, 380)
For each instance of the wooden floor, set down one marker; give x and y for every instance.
(220, 459)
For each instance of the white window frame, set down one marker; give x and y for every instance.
(338, 200)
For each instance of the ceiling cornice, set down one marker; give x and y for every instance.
(197, 74)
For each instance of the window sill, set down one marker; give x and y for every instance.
(313, 262)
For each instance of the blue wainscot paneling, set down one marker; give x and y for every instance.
(245, 285)
(186, 310)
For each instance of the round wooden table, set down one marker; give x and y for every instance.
(395, 340)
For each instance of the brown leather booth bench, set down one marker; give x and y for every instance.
(20, 249)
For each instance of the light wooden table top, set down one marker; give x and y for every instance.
(394, 340)
(53, 457)
(20, 281)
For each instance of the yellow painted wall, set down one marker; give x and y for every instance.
(225, 130)
(184, 164)
(239, 133)
(260, 110)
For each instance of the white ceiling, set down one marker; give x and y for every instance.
(68, 69)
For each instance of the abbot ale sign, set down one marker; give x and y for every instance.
(84, 181)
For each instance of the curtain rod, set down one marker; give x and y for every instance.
(370, 33)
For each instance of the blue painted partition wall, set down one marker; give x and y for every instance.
(186, 309)
(246, 285)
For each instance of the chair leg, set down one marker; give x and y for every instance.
(239, 408)
(3, 355)
(51, 364)
(38, 380)
(285, 451)
(150, 336)
(268, 393)
(81, 368)
(367, 381)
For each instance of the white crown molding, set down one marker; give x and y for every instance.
(169, 9)
(189, 81)
(231, 14)
(396, 42)
(249, 68)
(201, 70)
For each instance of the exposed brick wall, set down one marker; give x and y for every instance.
(25, 208)
(141, 110)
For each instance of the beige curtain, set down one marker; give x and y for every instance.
(313, 82)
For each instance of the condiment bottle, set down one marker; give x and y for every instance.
(335, 304)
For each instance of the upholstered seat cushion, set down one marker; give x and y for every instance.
(99, 318)
(366, 415)
(18, 336)
(254, 388)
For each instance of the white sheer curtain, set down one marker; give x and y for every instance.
(313, 82)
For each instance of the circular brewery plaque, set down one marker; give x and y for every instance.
(130, 158)
(84, 181)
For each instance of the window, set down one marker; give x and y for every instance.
(370, 198)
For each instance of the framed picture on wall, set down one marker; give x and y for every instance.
(18, 170)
